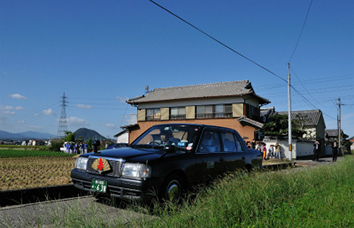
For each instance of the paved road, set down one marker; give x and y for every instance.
(58, 213)
(321, 161)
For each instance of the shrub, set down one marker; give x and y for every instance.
(56, 144)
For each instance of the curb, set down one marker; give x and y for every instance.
(34, 195)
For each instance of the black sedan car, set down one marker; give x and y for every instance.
(164, 161)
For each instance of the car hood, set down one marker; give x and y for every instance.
(131, 154)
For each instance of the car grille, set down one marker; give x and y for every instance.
(115, 164)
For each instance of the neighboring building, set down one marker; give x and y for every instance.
(312, 122)
(228, 104)
(332, 135)
(266, 112)
(122, 137)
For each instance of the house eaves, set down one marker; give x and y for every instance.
(247, 121)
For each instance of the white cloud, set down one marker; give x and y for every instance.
(9, 112)
(48, 112)
(84, 106)
(19, 108)
(110, 125)
(76, 121)
(6, 107)
(18, 96)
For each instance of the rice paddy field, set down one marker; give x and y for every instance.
(29, 169)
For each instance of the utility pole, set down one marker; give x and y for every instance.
(289, 116)
(63, 127)
(339, 128)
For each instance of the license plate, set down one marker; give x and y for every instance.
(99, 185)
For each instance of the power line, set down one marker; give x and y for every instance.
(238, 53)
(302, 29)
(218, 41)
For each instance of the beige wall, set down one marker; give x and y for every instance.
(141, 114)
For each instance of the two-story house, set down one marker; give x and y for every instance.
(228, 104)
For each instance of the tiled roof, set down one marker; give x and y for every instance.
(246, 121)
(310, 117)
(331, 132)
(221, 89)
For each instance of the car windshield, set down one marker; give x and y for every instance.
(181, 136)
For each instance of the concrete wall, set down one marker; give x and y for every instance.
(300, 148)
(123, 138)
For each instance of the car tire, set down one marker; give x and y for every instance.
(173, 189)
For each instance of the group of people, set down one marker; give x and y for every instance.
(272, 152)
(316, 151)
(275, 152)
(75, 148)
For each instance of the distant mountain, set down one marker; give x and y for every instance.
(4, 135)
(87, 134)
(36, 135)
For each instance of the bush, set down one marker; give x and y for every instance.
(56, 144)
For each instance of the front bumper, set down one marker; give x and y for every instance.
(118, 187)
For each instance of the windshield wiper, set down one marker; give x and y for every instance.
(146, 146)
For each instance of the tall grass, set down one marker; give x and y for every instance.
(321, 196)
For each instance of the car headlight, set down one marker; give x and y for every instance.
(134, 170)
(81, 163)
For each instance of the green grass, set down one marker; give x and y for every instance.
(31, 153)
(320, 196)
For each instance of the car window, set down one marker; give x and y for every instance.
(210, 142)
(230, 142)
(238, 144)
(183, 136)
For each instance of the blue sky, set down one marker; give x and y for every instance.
(101, 53)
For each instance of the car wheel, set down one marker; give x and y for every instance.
(172, 189)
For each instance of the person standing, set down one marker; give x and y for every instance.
(316, 151)
(264, 149)
(334, 151)
(85, 148)
(277, 151)
(253, 144)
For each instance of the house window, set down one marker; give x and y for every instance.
(178, 113)
(252, 112)
(222, 111)
(153, 114)
(214, 111)
(205, 111)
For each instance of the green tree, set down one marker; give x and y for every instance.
(346, 142)
(89, 145)
(70, 137)
(56, 144)
(278, 126)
